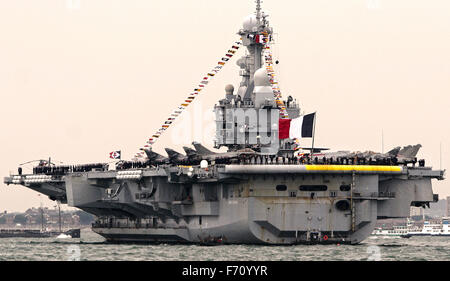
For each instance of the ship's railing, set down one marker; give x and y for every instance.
(63, 170)
(305, 160)
(250, 104)
(380, 194)
(240, 104)
(385, 194)
(125, 165)
(133, 226)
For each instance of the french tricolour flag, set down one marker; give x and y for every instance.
(301, 127)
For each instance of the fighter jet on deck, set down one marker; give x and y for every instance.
(371, 155)
(202, 153)
(396, 155)
(399, 155)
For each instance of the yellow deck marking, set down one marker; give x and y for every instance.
(353, 168)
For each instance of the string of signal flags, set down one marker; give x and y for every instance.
(263, 38)
(268, 58)
(179, 110)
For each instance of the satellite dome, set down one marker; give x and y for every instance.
(204, 164)
(262, 78)
(229, 88)
(250, 22)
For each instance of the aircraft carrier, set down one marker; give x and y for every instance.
(265, 190)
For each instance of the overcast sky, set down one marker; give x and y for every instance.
(79, 79)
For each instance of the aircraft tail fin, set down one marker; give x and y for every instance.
(189, 151)
(172, 153)
(201, 149)
(415, 149)
(410, 151)
(394, 151)
(150, 154)
(153, 156)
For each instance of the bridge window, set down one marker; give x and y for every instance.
(281, 187)
(313, 187)
(345, 187)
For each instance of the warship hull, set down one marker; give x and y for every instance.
(243, 204)
(280, 204)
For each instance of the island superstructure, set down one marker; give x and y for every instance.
(259, 192)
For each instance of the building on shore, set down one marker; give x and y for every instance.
(416, 211)
(47, 217)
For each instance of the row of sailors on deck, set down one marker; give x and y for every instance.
(123, 165)
(62, 170)
(272, 159)
(305, 159)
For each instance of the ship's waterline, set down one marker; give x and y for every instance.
(92, 247)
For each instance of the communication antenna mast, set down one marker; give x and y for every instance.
(59, 215)
(258, 10)
(42, 213)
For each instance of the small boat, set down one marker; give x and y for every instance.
(407, 231)
(434, 229)
(397, 231)
(63, 236)
(36, 233)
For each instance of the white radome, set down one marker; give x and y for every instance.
(204, 164)
(250, 22)
(229, 88)
(261, 78)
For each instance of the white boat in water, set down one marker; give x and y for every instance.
(398, 230)
(63, 236)
(429, 229)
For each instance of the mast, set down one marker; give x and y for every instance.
(313, 135)
(258, 51)
(59, 215)
(42, 214)
(251, 35)
(258, 10)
